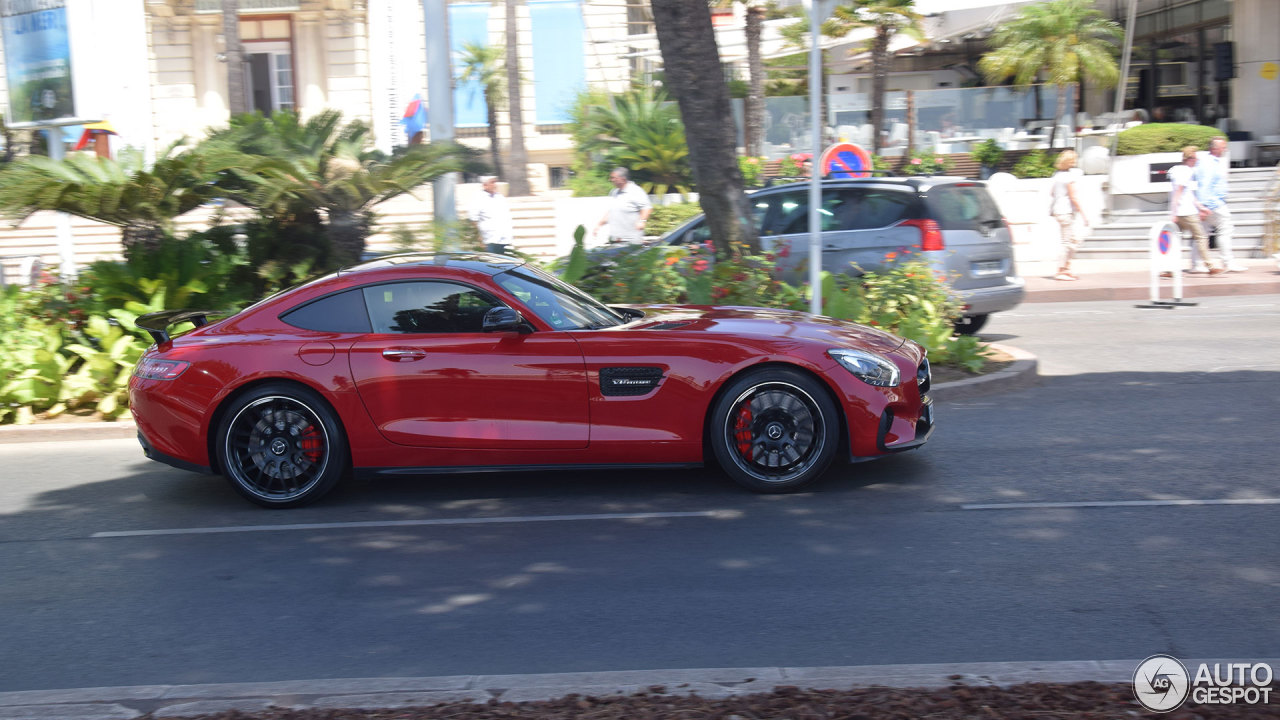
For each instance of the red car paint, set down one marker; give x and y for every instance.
(457, 400)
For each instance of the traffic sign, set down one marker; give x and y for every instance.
(845, 160)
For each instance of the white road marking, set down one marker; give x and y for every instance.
(719, 514)
(1119, 503)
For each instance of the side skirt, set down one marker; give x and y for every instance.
(371, 472)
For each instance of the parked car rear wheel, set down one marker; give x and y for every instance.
(774, 430)
(970, 324)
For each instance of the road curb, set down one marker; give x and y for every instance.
(1023, 372)
(126, 703)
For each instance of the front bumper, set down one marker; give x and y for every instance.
(924, 429)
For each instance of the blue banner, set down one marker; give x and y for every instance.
(37, 52)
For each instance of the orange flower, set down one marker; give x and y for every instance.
(890, 255)
(672, 260)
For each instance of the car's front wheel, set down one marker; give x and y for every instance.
(281, 446)
(775, 429)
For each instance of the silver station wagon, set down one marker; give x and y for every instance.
(952, 222)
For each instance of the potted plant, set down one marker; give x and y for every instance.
(988, 153)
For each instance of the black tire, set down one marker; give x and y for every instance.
(279, 445)
(774, 430)
(970, 324)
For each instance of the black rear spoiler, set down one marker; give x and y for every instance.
(157, 323)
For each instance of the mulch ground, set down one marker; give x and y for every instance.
(1032, 701)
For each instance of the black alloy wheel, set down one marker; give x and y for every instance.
(774, 430)
(281, 446)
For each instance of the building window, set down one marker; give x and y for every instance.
(267, 44)
(268, 77)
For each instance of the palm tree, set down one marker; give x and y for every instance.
(692, 72)
(642, 131)
(518, 180)
(322, 173)
(1061, 41)
(888, 18)
(481, 67)
(237, 103)
(142, 201)
(753, 110)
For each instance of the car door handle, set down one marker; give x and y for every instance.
(403, 354)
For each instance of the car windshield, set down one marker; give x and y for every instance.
(559, 304)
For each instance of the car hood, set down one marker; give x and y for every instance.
(764, 324)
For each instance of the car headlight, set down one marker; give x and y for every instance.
(868, 367)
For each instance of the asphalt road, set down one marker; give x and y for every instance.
(1123, 507)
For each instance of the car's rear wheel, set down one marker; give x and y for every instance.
(773, 430)
(970, 324)
(281, 446)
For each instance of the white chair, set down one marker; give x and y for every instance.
(898, 134)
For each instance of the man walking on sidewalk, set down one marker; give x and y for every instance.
(1185, 209)
(1212, 175)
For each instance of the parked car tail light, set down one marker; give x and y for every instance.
(153, 369)
(930, 234)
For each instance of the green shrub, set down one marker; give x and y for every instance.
(666, 218)
(752, 169)
(906, 298)
(1163, 137)
(592, 182)
(988, 153)
(1035, 164)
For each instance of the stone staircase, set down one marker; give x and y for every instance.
(1124, 233)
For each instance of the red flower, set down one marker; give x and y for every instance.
(700, 265)
(785, 251)
(915, 161)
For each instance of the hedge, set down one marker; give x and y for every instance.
(1164, 137)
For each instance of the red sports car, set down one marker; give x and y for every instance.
(446, 363)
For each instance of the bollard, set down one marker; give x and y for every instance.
(1165, 248)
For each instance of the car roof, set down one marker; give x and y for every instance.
(914, 182)
(487, 263)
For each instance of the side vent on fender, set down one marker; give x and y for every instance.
(615, 381)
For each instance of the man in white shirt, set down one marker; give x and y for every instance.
(491, 216)
(1185, 209)
(629, 209)
(1212, 177)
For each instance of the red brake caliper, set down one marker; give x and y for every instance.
(311, 443)
(742, 431)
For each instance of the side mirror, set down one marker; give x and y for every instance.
(502, 319)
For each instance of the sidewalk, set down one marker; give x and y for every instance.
(1131, 280)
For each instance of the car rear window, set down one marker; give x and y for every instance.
(342, 312)
(962, 206)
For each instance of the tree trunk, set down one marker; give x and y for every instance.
(693, 75)
(518, 164)
(1057, 116)
(879, 78)
(753, 113)
(494, 151)
(347, 233)
(237, 103)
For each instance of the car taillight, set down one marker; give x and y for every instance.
(930, 234)
(153, 369)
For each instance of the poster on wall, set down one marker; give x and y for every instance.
(37, 54)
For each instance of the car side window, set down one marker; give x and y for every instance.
(837, 207)
(427, 307)
(879, 208)
(342, 312)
